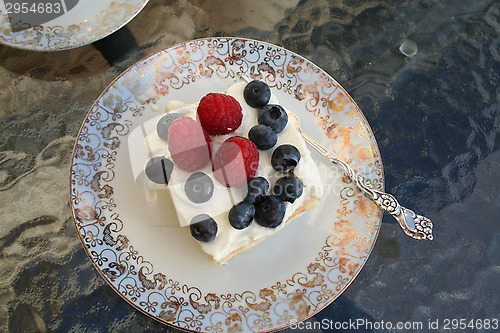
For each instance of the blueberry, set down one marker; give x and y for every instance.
(203, 228)
(241, 215)
(274, 116)
(199, 187)
(158, 169)
(257, 93)
(164, 124)
(288, 188)
(257, 189)
(285, 158)
(270, 211)
(263, 137)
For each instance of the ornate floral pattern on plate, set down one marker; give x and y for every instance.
(82, 25)
(132, 236)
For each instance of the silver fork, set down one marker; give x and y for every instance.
(414, 225)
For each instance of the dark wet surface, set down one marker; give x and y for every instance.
(436, 117)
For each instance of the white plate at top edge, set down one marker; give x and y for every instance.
(85, 23)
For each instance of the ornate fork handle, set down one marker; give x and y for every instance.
(415, 226)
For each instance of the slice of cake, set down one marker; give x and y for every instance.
(237, 170)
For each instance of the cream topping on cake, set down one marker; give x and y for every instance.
(229, 239)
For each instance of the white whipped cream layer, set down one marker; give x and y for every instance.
(228, 239)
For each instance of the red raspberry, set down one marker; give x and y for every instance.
(219, 113)
(189, 144)
(236, 161)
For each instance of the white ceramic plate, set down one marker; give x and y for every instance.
(132, 235)
(86, 22)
